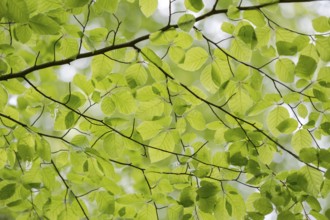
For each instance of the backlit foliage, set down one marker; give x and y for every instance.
(117, 109)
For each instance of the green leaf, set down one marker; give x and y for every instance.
(124, 101)
(187, 197)
(194, 59)
(183, 40)
(147, 212)
(297, 182)
(325, 126)
(149, 129)
(308, 155)
(301, 139)
(233, 12)
(207, 189)
(247, 34)
(216, 74)
(259, 107)
(3, 97)
(263, 206)
(110, 6)
(75, 100)
(286, 48)
(322, 45)
(237, 159)
(177, 54)
(3, 67)
(151, 56)
(150, 109)
(75, 3)
(7, 191)
(148, 7)
(196, 120)
(229, 208)
(275, 117)
(255, 16)
(321, 24)
(314, 203)
(186, 22)
(101, 66)
(284, 70)
(164, 141)
(136, 75)
(43, 24)
(22, 33)
(241, 101)
(107, 106)
(305, 67)
(17, 10)
(318, 215)
(287, 126)
(327, 174)
(302, 110)
(70, 119)
(26, 147)
(234, 134)
(175, 212)
(228, 27)
(314, 180)
(194, 5)
(285, 215)
(44, 149)
(105, 203)
(320, 95)
(69, 48)
(85, 85)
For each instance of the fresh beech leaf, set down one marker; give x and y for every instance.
(187, 197)
(186, 22)
(75, 3)
(194, 5)
(284, 70)
(248, 35)
(151, 56)
(305, 67)
(148, 7)
(325, 126)
(207, 189)
(194, 59)
(263, 205)
(308, 155)
(7, 191)
(287, 126)
(286, 48)
(227, 27)
(321, 24)
(43, 24)
(320, 95)
(17, 10)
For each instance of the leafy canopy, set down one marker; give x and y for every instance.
(202, 110)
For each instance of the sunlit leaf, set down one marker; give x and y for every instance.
(186, 22)
(194, 5)
(194, 59)
(275, 117)
(148, 7)
(301, 139)
(164, 141)
(17, 10)
(305, 67)
(43, 24)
